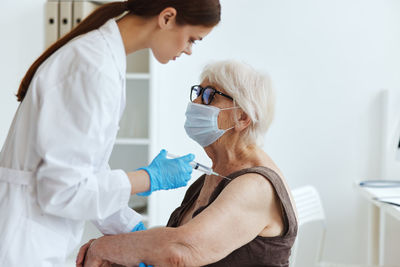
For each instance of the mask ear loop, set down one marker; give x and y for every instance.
(229, 108)
(229, 128)
(234, 118)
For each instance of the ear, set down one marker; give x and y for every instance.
(243, 120)
(167, 17)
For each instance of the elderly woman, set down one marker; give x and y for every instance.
(246, 220)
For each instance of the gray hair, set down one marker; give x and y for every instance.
(251, 91)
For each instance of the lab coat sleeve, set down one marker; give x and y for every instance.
(123, 221)
(75, 121)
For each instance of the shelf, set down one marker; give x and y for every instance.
(129, 157)
(138, 203)
(137, 76)
(138, 62)
(132, 141)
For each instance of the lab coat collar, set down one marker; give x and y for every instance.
(113, 37)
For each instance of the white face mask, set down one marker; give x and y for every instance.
(202, 123)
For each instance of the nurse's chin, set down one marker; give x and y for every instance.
(164, 61)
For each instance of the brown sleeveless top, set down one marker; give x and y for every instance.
(261, 251)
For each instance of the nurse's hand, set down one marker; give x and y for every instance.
(168, 173)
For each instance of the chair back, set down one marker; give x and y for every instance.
(308, 247)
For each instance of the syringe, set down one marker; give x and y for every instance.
(200, 167)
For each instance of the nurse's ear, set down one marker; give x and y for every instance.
(243, 120)
(167, 17)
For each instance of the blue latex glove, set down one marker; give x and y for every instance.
(168, 173)
(139, 227)
(144, 265)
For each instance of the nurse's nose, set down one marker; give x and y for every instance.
(188, 50)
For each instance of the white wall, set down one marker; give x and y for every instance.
(329, 61)
(21, 31)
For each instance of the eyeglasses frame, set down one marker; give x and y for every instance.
(202, 91)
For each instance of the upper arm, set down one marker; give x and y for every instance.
(235, 218)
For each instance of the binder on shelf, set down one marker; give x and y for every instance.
(65, 20)
(51, 33)
(82, 9)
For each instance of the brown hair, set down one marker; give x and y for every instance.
(193, 12)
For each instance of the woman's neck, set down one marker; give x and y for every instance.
(228, 159)
(136, 32)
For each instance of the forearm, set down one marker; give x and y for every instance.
(140, 181)
(158, 246)
(80, 194)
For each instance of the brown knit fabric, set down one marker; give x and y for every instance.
(261, 251)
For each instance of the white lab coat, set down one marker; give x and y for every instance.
(54, 171)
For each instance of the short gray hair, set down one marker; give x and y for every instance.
(251, 91)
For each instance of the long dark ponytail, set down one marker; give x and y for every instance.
(193, 12)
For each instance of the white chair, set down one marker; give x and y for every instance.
(308, 247)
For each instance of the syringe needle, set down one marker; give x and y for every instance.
(216, 174)
(200, 167)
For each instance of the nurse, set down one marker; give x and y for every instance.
(54, 171)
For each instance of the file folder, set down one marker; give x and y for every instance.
(81, 9)
(65, 20)
(51, 26)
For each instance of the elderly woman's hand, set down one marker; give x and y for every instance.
(116, 251)
(93, 259)
(82, 252)
(87, 257)
(95, 262)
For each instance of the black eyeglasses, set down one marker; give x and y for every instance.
(207, 94)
